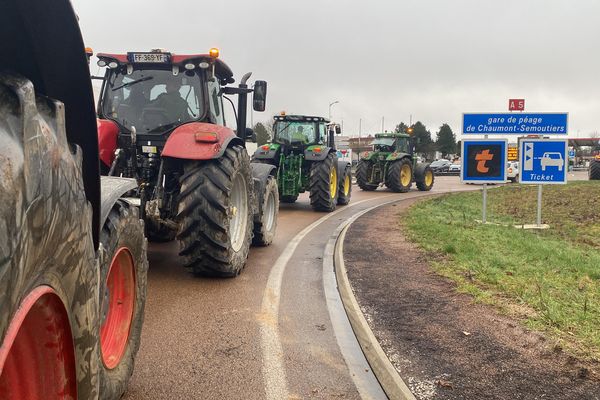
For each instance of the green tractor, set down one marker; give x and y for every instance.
(392, 163)
(304, 153)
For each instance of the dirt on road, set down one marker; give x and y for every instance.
(443, 344)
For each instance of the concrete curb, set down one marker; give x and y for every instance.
(388, 377)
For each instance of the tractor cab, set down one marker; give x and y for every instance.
(391, 143)
(296, 132)
(152, 93)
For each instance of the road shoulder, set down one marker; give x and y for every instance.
(443, 344)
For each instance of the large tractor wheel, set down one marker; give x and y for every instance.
(363, 175)
(345, 187)
(123, 277)
(594, 170)
(400, 176)
(324, 184)
(424, 177)
(265, 221)
(49, 282)
(215, 214)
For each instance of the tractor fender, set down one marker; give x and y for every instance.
(318, 153)
(420, 172)
(260, 174)
(267, 153)
(368, 155)
(200, 141)
(397, 156)
(111, 190)
(108, 131)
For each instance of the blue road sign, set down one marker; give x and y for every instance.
(516, 124)
(483, 161)
(571, 153)
(543, 161)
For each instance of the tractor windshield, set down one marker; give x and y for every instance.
(288, 132)
(152, 100)
(384, 144)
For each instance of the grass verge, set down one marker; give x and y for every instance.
(549, 278)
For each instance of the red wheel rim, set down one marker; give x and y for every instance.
(117, 305)
(37, 359)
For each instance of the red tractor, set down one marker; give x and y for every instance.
(162, 122)
(72, 250)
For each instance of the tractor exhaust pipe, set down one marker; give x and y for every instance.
(243, 106)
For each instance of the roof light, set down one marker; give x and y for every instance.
(89, 51)
(213, 52)
(101, 63)
(189, 66)
(282, 113)
(113, 64)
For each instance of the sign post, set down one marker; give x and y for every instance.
(483, 162)
(542, 162)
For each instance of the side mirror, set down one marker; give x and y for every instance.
(250, 135)
(338, 130)
(259, 98)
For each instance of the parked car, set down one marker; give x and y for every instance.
(454, 169)
(512, 171)
(440, 166)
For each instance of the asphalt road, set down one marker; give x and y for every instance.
(266, 334)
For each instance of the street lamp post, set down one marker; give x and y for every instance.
(331, 104)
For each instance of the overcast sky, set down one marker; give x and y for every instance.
(434, 59)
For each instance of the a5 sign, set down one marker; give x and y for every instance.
(516, 104)
(484, 161)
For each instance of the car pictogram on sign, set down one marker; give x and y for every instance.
(551, 159)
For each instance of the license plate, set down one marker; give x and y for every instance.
(156, 58)
(149, 149)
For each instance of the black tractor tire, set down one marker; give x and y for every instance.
(363, 172)
(321, 175)
(265, 221)
(394, 176)
(345, 193)
(46, 248)
(206, 211)
(420, 174)
(594, 173)
(288, 199)
(123, 229)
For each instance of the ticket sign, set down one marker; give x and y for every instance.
(515, 124)
(483, 161)
(543, 161)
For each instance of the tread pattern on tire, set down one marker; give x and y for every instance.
(342, 198)
(393, 180)
(46, 234)
(594, 170)
(204, 214)
(362, 175)
(420, 181)
(319, 185)
(124, 228)
(263, 236)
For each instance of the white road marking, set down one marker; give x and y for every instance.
(272, 360)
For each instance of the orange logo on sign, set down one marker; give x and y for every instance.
(482, 158)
